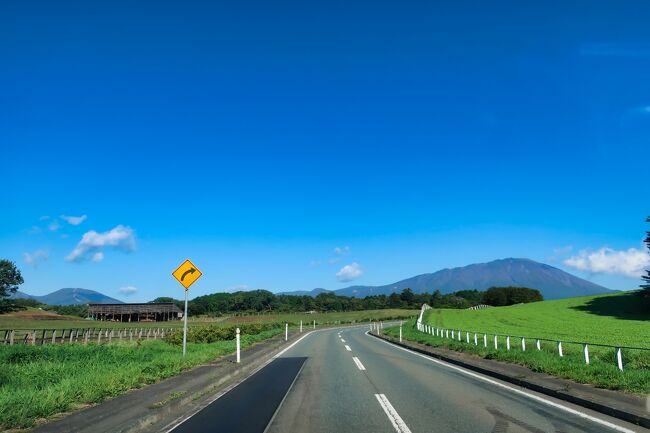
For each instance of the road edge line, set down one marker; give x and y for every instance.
(481, 374)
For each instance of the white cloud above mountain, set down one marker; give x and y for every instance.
(128, 290)
(92, 244)
(74, 220)
(36, 258)
(629, 263)
(349, 272)
(339, 252)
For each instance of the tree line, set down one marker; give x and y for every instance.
(263, 301)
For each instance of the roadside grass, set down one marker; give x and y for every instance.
(621, 319)
(37, 382)
(602, 371)
(31, 319)
(331, 318)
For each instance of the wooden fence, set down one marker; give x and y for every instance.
(39, 337)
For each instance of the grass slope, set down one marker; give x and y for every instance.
(618, 319)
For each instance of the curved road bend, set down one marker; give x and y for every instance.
(346, 381)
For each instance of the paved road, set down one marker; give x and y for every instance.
(347, 381)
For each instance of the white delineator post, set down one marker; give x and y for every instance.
(559, 348)
(286, 331)
(301, 326)
(619, 358)
(314, 324)
(237, 342)
(400, 333)
(185, 325)
(586, 352)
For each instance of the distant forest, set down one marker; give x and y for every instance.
(260, 301)
(263, 301)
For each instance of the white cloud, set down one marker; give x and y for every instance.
(53, 226)
(97, 257)
(629, 263)
(36, 258)
(340, 252)
(92, 244)
(349, 272)
(73, 220)
(315, 263)
(560, 252)
(128, 290)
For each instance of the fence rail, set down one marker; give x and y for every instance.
(472, 337)
(39, 337)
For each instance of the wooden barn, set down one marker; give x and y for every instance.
(159, 312)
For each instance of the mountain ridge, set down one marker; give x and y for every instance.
(554, 283)
(69, 296)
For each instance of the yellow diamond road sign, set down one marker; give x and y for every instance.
(187, 274)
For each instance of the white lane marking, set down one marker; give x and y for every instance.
(342, 340)
(391, 413)
(359, 364)
(348, 348)
(516, 391)
(180, 420)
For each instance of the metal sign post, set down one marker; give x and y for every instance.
(185, 324)
(186, 274)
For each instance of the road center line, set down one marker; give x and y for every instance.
(348, 348)
(515, 390)
(391, 413)
(359, 364)
(342, 340)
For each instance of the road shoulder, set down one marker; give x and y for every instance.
(628, 407)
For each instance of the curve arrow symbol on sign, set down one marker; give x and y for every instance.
(189, 271)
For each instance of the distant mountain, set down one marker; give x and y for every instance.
(314, 292)
(69, 297)
(552, 282)
(20, 295)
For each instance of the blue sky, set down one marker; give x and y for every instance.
(256, 138)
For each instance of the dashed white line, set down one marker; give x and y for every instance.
(348, 348)
(342, 340)
(516, 391)
(359, 364)
(391, 413)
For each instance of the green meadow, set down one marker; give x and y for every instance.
(621, 319)
(618, 319)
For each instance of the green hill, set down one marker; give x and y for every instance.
(617, 319)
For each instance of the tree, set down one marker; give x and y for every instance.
(646, 278)
(500, 296)
(10, 278)
(407, 296)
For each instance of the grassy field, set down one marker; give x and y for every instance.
(38, 382)
(327, 318)
(39, 319)
(620, 319)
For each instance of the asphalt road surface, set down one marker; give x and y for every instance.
(346, 381)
